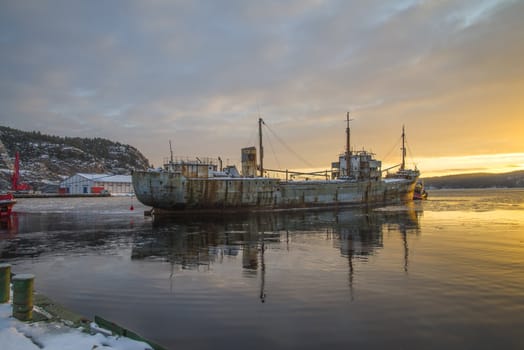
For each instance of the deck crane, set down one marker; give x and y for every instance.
(15, 184)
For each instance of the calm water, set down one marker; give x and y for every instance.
(444, 273)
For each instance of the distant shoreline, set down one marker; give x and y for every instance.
(479, 180)
(58, 195)
(429, 188)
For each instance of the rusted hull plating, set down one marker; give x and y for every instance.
(172, 192)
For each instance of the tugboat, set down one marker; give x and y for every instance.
(420, 193)
(7, 201)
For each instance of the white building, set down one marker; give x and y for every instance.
(95, 183)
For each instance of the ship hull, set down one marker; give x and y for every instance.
(7, 201)
(167, 191)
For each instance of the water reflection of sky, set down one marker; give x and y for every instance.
(450, 270)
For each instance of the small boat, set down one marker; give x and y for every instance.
(7, 201)
(420, 193)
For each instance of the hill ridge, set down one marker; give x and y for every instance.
(47, 159)
(477, 180)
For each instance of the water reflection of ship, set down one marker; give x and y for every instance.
(197, 242)
(8, 226)
(27, 235)
(360, 235)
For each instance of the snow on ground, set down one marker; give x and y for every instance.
(17, 335)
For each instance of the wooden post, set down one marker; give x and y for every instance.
(23, 287)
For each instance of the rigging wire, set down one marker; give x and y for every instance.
(392, 148)
(288, 147)
(273, 152)
(252, 136)
(410, 154)
(399, 140)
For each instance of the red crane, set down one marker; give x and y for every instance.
(15, 186)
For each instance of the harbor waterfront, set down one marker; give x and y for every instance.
(447, 272)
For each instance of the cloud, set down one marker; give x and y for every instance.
(144, 72)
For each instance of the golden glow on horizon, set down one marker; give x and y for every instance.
(442, 166)
(487, 163)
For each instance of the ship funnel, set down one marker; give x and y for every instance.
(249, 162)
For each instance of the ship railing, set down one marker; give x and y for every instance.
(391, 167)
(290, 175)
(192, 160)
(359, 153)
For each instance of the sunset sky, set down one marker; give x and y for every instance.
(201, 73)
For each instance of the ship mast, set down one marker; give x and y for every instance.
(348, 152)
(403, 165)
(260, 122)
(171, 151)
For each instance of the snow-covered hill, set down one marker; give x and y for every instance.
(45, 159)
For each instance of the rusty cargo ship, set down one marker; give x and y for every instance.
(204, 185)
